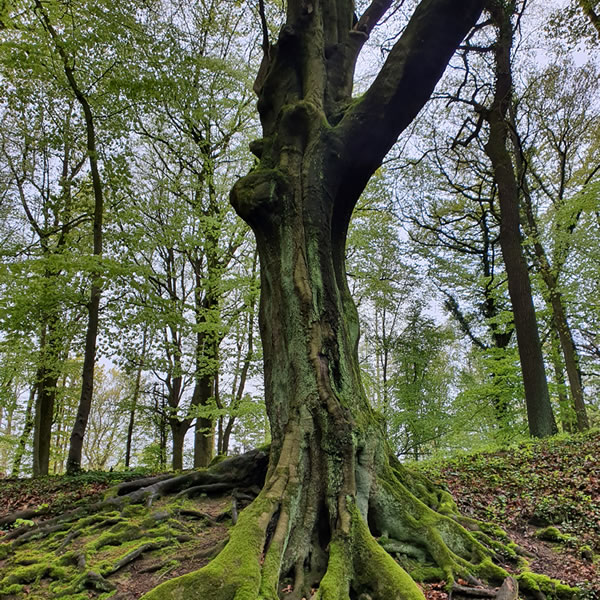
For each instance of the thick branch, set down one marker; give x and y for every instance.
(407, 79)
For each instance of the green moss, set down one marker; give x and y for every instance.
(493, 530)
(7, 590)
(235, 572)
(26, 574)
(270, 571)
(219, 458)
(491, 572)
(427, 573)
(131, 511)
(552, 534)
(542, 583)
(335, 582)
(115, 539)
(375, 570)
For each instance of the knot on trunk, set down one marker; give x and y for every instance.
(255, 196)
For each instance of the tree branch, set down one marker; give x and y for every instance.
(405, 83)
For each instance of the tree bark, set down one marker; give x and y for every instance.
(24, 437)
(566, 413)
(178, 431)
(555, 302)
(46, 385)
(179, 427)
(135, 397)
(328, 459)
(589, 9)
(550, 275)
(539, 410)
(207, 343)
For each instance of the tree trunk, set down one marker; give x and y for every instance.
(330, 478)
(134, 399)
(89, 360)
(24, 437)
(571, 357)
(550, 274)
(179, 427)
(178, 431)
(46, 386)
(587, 6)
(539, 410)
(566, 412)
(555, 302)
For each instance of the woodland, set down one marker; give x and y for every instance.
(288, 287)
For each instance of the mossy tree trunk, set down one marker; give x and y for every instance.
(329, 476)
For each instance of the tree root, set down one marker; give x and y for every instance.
(407, 529)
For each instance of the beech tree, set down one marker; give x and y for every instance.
(331, 482)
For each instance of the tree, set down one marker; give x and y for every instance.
(554, 135)
(93, 306)
(331, 482)
(42, 158)
(539, 410)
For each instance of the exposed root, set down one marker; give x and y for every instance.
(290, 542)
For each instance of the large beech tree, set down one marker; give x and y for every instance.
(331, 483)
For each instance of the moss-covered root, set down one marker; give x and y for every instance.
(376, 573)
(415, 528)
(237, 572)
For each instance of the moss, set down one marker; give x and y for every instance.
(131, 511)
(335, 582)
(219, 458)
(376, 572)
(542, 583)
(427, 573)
(491, 572)
(552, 534)
(235, 572)
(8, 590)
(26, 574)
(493, 530)
(270, 571)
(115, 539)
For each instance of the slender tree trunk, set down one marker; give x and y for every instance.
(89, 360)
(10, 410)
(46, 386)
(87, 382)
(134, 400)
(571, 356)
(591, 13)
(560, 322)
(539, 410)
(239, 385)
(179, 427)
(178, 431)
(204, 427)
(566, 411)
(553, 296)
(24, 437)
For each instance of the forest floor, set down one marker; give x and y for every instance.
(545, 495)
